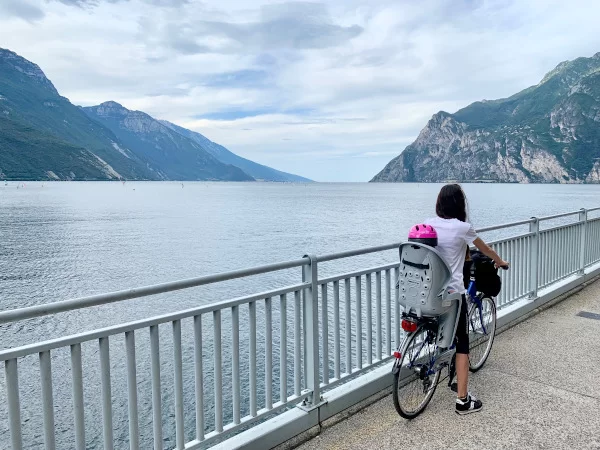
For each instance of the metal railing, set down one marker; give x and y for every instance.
(189, 379)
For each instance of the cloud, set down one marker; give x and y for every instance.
(21, 9)
(331, 90)
(293, 25)
(82, 3)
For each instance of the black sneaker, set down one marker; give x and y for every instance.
(468, 406)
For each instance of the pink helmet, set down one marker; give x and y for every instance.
(423, 234)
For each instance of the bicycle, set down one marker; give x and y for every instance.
(420, 361)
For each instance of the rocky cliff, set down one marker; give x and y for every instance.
(548, 133)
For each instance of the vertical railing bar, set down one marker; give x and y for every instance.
(283, 396)
(503, 294)
(542, 238)
(107, 423)
(297, 345)
(507, 275)
(336, 329)
(156, 390)
(548, 262)
(388, 311)
(235, 362)
(556, 255)
(348, 326)
(268, 354)
(78, 411)
(517, 258)
(549, 247)
(132, 397)
(507, 249)
(549, 255)
(358, 315)
(525, 264)
(397, 308)
(325, 332)
(568, 245)
(561, 258)
(310, 275)
(555, 259)
(218, 371)
(304, 365)
(252, 355)
(513, 274)
(199, 377)
(546, 266)
(543, 253)
(14, 408)
(178, 385)
(369, 321)
(378, 330)
(47, 400)
(516, 247)
(521, 269)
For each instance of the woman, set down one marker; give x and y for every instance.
(455, 234)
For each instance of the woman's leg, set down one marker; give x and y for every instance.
(462, 352)
(462, 374)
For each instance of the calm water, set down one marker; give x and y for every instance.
(65, 240)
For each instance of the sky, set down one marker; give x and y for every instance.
(329, 90)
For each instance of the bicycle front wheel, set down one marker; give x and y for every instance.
(413, 384)
(482, 330)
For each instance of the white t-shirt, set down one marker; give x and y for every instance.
(453, 238)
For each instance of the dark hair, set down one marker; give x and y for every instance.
(452, 203)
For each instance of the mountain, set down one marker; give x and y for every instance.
(44, 136)
(547, 133)
(171, 154)
(256, 170)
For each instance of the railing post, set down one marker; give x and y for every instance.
(311, 297)
(534, 257)
(582, 248)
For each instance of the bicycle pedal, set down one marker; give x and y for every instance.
(454, 387)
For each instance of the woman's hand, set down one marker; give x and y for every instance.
(487, 251)
(502, 264)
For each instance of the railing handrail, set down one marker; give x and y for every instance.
(359, 252)
(128, 294)
(567, 214)
(86, 336)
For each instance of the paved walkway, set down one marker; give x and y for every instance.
(540, 389)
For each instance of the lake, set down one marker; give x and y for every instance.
(63, 240)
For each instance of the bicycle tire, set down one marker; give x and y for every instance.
(480, 349)
(406, 375)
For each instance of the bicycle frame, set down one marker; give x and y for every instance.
(474, 298)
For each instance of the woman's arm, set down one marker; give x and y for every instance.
(487, 251)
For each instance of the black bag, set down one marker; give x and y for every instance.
(486, 274)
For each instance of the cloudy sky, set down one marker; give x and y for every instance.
(330, 90)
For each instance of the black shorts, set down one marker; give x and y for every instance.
(462, 331)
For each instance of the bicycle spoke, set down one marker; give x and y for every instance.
(412, 393)
(482, 321)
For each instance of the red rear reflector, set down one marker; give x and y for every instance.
(409, 326)
(397, 355)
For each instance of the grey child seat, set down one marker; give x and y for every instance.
(423, 285)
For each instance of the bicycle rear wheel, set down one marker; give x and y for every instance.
(413, 386)
(482, 330)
